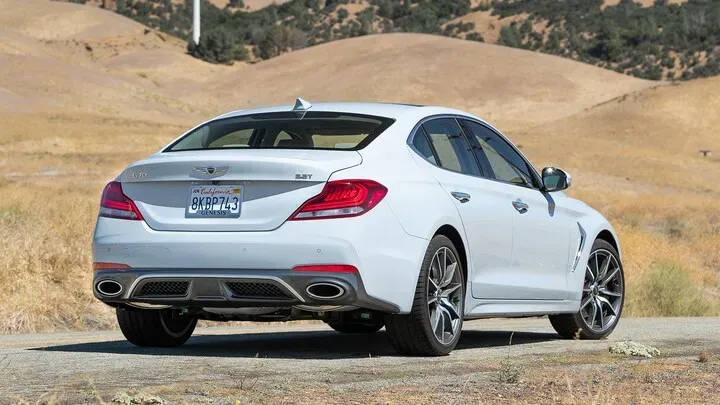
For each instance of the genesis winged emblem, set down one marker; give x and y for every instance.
(208, 172)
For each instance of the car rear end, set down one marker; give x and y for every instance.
(255, 212)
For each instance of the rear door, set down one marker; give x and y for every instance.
(247, 173)
(540, 244)
(480, 202)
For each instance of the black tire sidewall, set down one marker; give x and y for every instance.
(145, 328)
(585, 331)
(421, 301)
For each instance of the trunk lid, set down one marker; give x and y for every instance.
(274, 182)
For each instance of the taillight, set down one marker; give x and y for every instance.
(342, 198)
(115, 204)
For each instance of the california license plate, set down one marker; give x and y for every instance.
(214, 202)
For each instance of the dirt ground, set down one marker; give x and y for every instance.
(309, 363)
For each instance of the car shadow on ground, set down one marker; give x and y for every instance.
(298, 345)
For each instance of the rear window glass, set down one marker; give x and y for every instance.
(285, 130)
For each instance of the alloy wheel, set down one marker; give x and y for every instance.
(444, 295)
(602, 294)
(175, 327)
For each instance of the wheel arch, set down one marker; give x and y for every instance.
(610, 238)
(451, 233)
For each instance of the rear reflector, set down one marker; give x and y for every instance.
(115, 204)
(342, 198)
(110, 266)
(327, 268)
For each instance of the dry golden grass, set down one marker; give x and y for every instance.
(72, 121)
(52, 171)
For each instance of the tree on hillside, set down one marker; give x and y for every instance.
(217, 45)
(510, 36)
(608, 46)
(277, 40)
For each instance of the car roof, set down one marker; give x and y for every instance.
(389, 110)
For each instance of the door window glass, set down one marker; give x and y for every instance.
(421, 144)
(451, 147)
(507, 165)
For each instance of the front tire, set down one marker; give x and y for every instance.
(602, 299)
(433, 326)
(153, 328)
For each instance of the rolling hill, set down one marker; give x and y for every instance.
(656, 40)
(647, 140)
(514, 88)
(85, 91)
(62, 56)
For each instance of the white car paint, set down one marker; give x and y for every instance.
(518, 264)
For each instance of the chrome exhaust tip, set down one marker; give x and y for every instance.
(109, 288)
(325, 291)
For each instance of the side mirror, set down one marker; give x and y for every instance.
(555, 179)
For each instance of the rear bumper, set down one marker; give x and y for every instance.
(387, 258)
(222, 288)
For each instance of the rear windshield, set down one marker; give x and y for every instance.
(285, 130)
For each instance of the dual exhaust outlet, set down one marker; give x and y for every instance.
(109, 288)
(325, 291)
(318, 291)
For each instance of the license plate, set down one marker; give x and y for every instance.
(214, 202)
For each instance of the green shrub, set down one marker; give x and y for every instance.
(668, 291)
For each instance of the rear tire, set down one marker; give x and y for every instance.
(602, 298)
(153, 328)
(433, 326)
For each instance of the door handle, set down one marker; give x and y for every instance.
(520, 206)
(460, 196)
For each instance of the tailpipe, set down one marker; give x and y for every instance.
(109, 288)
(325, 291)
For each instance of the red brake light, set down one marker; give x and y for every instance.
(342, 198)
(115, 204)
(327, 268)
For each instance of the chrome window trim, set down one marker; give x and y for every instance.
(532, 169)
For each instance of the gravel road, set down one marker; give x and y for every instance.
(284, 360)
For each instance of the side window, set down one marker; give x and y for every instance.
(421, 144)
(505, 162)
(451, 147)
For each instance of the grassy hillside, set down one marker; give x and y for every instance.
(511, 87)
(81, 100)
(655, 40)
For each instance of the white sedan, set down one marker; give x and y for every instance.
(363, 215)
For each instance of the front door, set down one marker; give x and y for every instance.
(540, 244)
